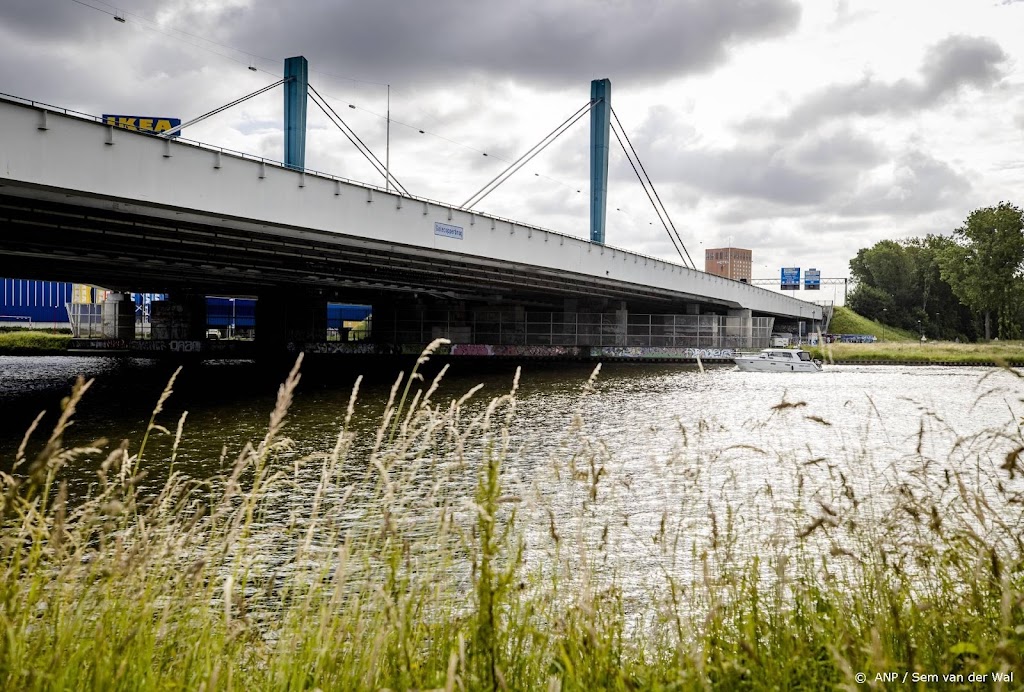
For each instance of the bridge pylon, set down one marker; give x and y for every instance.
(296, 71)
(600, 122)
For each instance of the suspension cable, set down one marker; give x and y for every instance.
(497, 180)
(175, 130)
(653, 190)
(656, 210)
(348, 135)
(354, 139)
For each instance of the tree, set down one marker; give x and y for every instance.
(893, 280)
(985, 266)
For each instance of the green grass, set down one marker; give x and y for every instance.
(32, 341)
(846, 321)
(999, 352)
(430, 562)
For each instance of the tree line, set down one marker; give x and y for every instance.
(968, 285)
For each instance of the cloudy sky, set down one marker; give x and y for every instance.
(801, 129)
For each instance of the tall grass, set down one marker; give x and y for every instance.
(925, 352)
(443, 560)
(16, 342)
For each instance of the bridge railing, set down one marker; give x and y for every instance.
(521, 328)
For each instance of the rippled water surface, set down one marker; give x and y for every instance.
(639, 411)
(674, 442)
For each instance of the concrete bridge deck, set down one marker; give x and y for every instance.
(84, 201)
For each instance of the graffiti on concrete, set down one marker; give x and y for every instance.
(100, 344)
(341, 347)
(186, 346)
(150, 345)
(472, 350)
(656, 353)
(515, 351)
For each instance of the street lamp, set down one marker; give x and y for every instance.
(232, 317)
(920, 329)
(937, 328)
(884, 310)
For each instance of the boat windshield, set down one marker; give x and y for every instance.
(804, 355)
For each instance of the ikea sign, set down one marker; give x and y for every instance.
(141, 123)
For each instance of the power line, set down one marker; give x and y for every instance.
(354, 138)
(178, 36)
(215, 111)
(495, 182)
(156, 27)
(203, 43)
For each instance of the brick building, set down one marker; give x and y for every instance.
(730, 262)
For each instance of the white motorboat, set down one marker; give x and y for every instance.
(778, 360)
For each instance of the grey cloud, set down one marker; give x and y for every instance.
(548, 43)
(949, 66)
(441, 42)
(808, 171)
(921, 184)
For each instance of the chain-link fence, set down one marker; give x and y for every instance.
(512, 327)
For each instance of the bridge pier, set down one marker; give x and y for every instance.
(739, 327)
(181, 316)
(286, 317)
(118, 321)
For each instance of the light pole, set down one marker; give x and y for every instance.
(920, 329)
(232, 317)
(884, 310)
(938, 335)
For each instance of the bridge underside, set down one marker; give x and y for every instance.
(49, 234)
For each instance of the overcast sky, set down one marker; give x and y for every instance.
(801, 129)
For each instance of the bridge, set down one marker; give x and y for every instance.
(86, 201)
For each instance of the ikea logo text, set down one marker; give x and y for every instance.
(139, 123)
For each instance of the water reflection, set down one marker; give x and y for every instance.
(662, 450)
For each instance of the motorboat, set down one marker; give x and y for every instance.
(778, 360)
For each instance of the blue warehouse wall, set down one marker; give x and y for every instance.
(27, 300)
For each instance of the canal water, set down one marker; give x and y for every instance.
(665, 442)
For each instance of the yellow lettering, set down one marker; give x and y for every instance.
(127, 122)
(111, 120)
(162, 126)
(146, 124)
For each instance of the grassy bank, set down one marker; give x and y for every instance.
(436, 560)
(31, 342)
(924, 352)
(846, 321)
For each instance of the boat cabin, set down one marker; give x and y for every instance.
(785, 354)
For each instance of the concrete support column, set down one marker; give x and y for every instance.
(118, 316)
(383, 322)
(286, 317)
(181, 316)
(621, 324)
(568, 331)
(739, 328)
